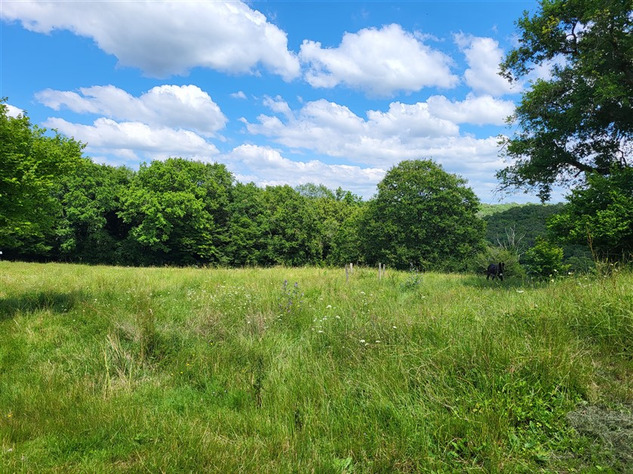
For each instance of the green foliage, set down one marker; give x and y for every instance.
(422, 216)
(336, 214)
(177, 211)
(518, 227)
(293, 228)
(29, 162)
(600, 215)
(347, 245)
(579, 120)
(247, 226)
(90, 229)
(486, 210)
(544, 260)
(495, 254)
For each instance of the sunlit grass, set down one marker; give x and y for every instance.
(284, 369)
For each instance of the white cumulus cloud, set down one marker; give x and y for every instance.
(423, 130)
(182, 107)
(135, 141)
(404, 131)
(477, 110)
(165, 38)
(378, 61)
(266, 166)
(13, 111)
(483, 56)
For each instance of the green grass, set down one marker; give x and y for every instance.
(106, 369)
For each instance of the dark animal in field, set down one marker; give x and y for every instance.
(495, 270)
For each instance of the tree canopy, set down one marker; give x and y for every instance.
(422, 217)
(30, 161)
(183, 212)
(601, 215)
(177, 210)
(580, 119)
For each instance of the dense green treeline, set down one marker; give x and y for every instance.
(58, 205)
(181, 212)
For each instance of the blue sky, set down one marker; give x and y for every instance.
(281, 92)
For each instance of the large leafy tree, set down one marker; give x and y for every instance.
(89, 228)
(178, 212)
(30, 161)
(601, 215)
(580, 119)
(332, 208)
(293, 230)
(423, 217)
(247, 226)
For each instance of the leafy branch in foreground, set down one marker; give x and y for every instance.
(580, 120)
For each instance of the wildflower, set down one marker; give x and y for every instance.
(395, 327)
(320, 331)
(362, 341)
(329, 306)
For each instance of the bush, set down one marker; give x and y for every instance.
(544, 260)
(492, 254)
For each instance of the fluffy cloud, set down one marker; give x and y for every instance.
(164, 38)
(238, 95)
(135, 141)
(379, 61)
(183, 107)
(483, 56)
(483, 110)
(404, 131)
(266, 166)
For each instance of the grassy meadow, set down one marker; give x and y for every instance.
(111, 369)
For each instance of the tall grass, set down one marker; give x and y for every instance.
(106, 369)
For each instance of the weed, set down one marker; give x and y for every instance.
(413, 281)
(148, 336)
(291, 298)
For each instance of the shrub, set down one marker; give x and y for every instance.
(492, 254)
(544, 260)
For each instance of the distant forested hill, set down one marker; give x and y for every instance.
(519, 223)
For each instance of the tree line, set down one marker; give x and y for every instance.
(59, 205)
